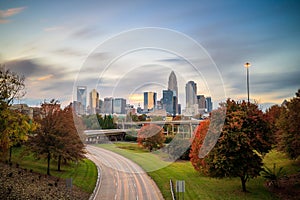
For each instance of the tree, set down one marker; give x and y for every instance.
(18, 128)
(43, 143)
(272, 116)
(15, 129)
(57, 137)
(243, 141)
(12, 124)
(12, 87)
(69, 146)
(289, 127)
(142, 117)
(200, 134)
(151, 136)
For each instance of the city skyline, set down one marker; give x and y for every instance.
(195, 102)
(52, 49)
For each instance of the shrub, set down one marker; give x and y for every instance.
(273, 175)
(130, 138)
(168, 139)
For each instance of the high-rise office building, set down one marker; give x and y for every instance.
(94, 101)
(168, 101)
(108, 105)
(100, 106)
(179, 109)
(81, 97)
(149, 101)
(119, 106)
(172, 85)
(209, 105)
(191, 94)
(201, 101)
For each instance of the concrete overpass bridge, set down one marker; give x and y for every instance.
(183, 127)
(104, 135)
(178, 126)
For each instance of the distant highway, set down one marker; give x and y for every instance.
(121, 178)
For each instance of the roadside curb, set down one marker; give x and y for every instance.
(98, 183)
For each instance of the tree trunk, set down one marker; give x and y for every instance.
(58, 163)
(10, 151)
(243, 180)
(48, 162)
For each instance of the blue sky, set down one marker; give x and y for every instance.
(57, 45)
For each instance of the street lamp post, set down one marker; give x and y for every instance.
(247, 65)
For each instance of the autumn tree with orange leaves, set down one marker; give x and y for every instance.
(289, 127)
(244, 139)
(272, 116)
(200, 133)
(57, 136)
(151, 136)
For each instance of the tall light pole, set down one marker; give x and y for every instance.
(247, 65)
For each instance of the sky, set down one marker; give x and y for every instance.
(125, 48)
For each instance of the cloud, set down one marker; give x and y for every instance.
(43, 78)
(85, 33)
(276, 86)
(8, 13)
(11, 11)
(43, 81)
(28, 67)
(68, 52)
(53, 28)
(173, 60)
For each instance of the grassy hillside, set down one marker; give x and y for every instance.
(84, 173)
(197, 185)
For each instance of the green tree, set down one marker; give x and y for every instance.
(132, 117)
(289, 127)
(11, 88)
(91, 122)
(19, 127)
(151, 136)
(142, 117)
(107, 122)
(244, 139)
(15, 130)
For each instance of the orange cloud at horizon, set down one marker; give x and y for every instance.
(136, 98)
(43, 78)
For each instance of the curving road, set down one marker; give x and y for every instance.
(121, 178)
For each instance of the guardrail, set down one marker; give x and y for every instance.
(98, 183)
(172, 191)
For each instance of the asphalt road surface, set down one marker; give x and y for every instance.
(121, 178)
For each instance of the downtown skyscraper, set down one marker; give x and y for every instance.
(82, 98)
(191, 94)
(94, 102)
(172, 85)
(149, 101)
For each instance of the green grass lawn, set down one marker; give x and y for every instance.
(197, 185)
(84, 173)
